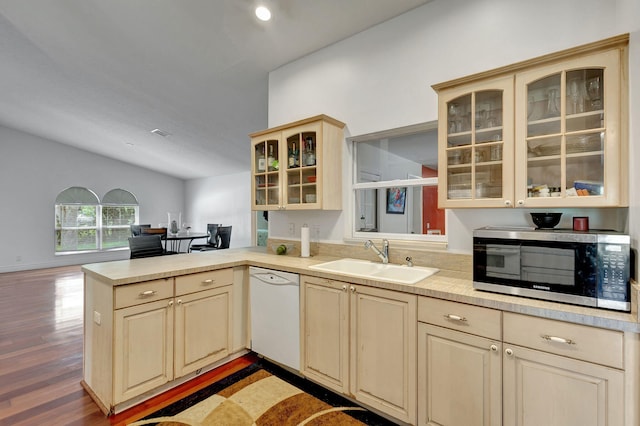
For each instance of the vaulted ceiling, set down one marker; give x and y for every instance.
(100, 75)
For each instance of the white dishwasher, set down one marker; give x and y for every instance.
(275, 315)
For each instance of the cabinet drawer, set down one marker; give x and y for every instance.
(144, 292)
(192, 283)
(458, 316)
(582, 342)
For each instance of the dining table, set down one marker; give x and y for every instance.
(174, 241)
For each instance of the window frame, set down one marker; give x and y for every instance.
(411, 181)
(79, 197)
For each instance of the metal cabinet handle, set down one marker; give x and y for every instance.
(455, 317)
(209, 281)
(147, 293)
(494, 348)
(508, 351)
(557, 339)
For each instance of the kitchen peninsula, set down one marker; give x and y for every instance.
(598, 362)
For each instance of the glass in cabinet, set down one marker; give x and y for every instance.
(477, 140)
(302, 170)
(266, 171)
(568, 134)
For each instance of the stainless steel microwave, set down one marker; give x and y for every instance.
(589, 268)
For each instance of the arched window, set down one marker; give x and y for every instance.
(119, 211)
(77, 220)
(84, 224)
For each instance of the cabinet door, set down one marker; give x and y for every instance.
(475, 145)
(300, 148)
(325, 332)
(266, 163)
(568, 140)
(459, 378)
(551, 390)
(383, 350)
(143, 348)
(203, 329)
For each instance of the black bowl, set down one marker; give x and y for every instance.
(546, 220)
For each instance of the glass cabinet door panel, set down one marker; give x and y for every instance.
(543, 98)
(488, 109)
(459, 121)
(585, 175)
(489, 181)
(459, 182)
(544, 176)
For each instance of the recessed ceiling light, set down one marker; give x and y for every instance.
(161, 133)
(263, 13)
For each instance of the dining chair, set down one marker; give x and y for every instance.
(135, 229)
(162, 232)
(224, 234)
(223, 238)
(147, 246)
(212, 241)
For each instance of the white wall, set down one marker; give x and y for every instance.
(381, 78)
(32, 173)
(222, 199)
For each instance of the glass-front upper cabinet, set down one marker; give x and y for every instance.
(546, 132)
(266, 171)
(301, 166)
(475, 144)
(568, 145)
(293, 164)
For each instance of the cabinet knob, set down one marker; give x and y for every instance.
(353, 289)
(494, 348)
(344, 288)
(507, 203)
(209, 281)
(508, 351)
(521, 202)
(179, 301)
(170, 303)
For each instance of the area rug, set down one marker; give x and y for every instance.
(263, 394)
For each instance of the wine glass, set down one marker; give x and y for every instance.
(594, 93)
(576, 96)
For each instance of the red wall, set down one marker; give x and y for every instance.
(431, 214)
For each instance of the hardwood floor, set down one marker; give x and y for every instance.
(41, 355)
(41, 350)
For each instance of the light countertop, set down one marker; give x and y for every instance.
(449, 285)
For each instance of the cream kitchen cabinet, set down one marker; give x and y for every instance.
(559, 374)
(547, 132)
(142, 336)
(203, 330)
(459, 364)
(298, 166)
(361, 341)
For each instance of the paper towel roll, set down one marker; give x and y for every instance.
(304, 241)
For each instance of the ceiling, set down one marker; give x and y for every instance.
(100, 75)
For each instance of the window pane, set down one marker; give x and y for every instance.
(76, 240)
(118, 215)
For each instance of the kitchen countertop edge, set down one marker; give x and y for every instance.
(448, 285)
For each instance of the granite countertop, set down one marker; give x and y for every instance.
(449, 285)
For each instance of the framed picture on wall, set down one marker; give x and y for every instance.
(396, 200)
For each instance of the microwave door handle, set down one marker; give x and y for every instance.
(502, 251)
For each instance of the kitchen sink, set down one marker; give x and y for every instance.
(388, 272)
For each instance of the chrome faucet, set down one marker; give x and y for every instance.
(384, 254)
